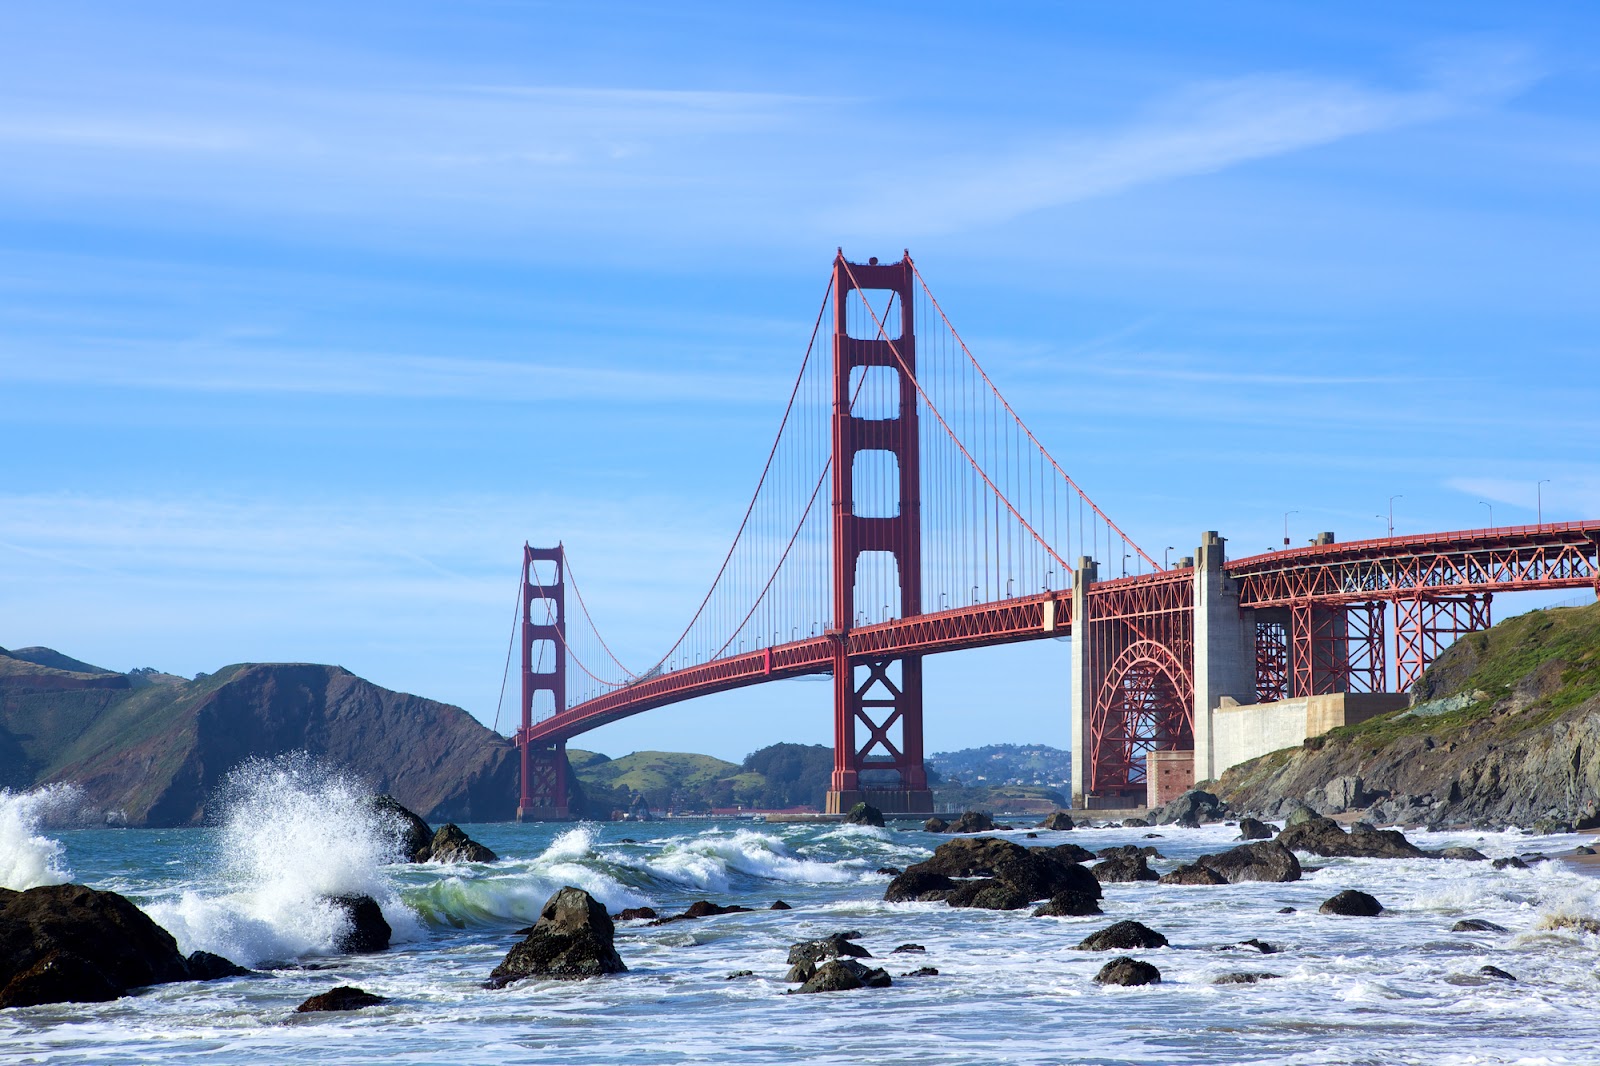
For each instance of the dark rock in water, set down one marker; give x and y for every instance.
(1193, 874)
(1123, 936)
(1476, 925)
(1031, 836)
(1152, 836)
(1265, 860)
(842, 975)
(918, 886)
(1299, 815)
(701, 908)
(1510, 861)
(935, 825)
(1131, 850)
(988, 893)
(864, 814)
(369, 931)
(572, 939)
(1322, 836)
(1467, 854)
(1286, 910)
(1255, 945)
(923, 971)
(780, 905)
(414, 834)
(800, 973)
(1582, 849)
(345, 997)
(204, 966)
(972, 822)
(735, 975)
(1123, 868)
(1192, 808)
(1125, 971)
(1254, 829)
(1135, 823)
(450, 844)
(1068, 905)
(1353, 903)
(1072, 853)
(890, 871)
(73, 944)
(629, 914)
(1496, 972)
(1243, 978)
(909, 949)
(836, 945)
(1057, 820)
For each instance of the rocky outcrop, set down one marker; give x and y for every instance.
(1254, 829)
(935, 825)
(1261, 861)
(703, 908)
(344, 997)
(988, 893)
(1057, 820)
(844, 975)
(1193, 874)
(1123, 970)
(1123, 936)
(919, 886)
(833, 946)
(1476, 925)
(972, 822)
(450, 844)
(414, 836)
(1322, 836)
(204, 966)
(571, 940)
(864, 814)
(1191, 809)
(71, 943)
(1353, 903)
(1068, 905)
(368, 930)
(1124, 865)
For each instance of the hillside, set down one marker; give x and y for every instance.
(1036, 765)
(149, 747)
(1504, 729)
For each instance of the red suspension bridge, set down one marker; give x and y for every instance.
(905, 509)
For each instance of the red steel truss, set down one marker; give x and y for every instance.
(1140, 651)
(1272, 661)
(1426, 625)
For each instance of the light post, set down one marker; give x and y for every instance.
(1286, 515)
(1125, 557)
(1396, 496)
(1539, 492)
(1164, 564)
(1491, 512)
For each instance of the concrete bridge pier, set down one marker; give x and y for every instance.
(1224, 647)
(1082, 699)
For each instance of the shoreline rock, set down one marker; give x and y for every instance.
(572, 940)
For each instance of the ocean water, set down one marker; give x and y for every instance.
(1399, 988)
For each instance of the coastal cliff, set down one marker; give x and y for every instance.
(1504, 729)
(149, 748)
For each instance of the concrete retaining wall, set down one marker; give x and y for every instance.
(1243, 732)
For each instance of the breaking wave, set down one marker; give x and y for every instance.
(28, 859)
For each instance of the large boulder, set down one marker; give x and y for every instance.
(450, 844)
(73, 944)
(972, 822)
(834, 946)
(204, 966)
(1057, 820)
(1323, 836)
(414, 835)
(1255, 829)
(1123, 865)
(1264, 860)
(1123, 936)
(344, 997)
(864, 814)
(1193, 874)
(1068, 905)
(368, 930)
(1037, 873)
(571, 940)
(1123, 970)
(989, 893)
(935, 825)
(705, 908)
(842, 975)
(918, 886)
(1072, 853)
(1191, 809)
(1353, 903)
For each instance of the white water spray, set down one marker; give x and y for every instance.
(27, 858)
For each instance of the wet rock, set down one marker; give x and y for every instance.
(833, 946)
(909, 949)
(864, 814)
(1299, 815)
(1072, 853)
(1265, 860)
(1352, 903)
(1254, 829)
(972, 822)
(919, 886)
(1192, 808)
(1123, 936)
(1135, 823)
(1031, 836)
(1511, 862)
(800, 973)
(1568, 921)
(1286, 910)
(450, 844)
(1057, 820)
(628, 914)
(890, 871)
(1467, 854)
(1035, 873)
(702, 908)
(1243, 977)
(1322, 836)
(345, 997)
(1255, 945)
(1477, 925)
(988, 893)
(1123, 867)
(923, 971)
(1495, 972)
(843, 975)
(1068, 905)
(1123, 970)
(1584, 849)
(571, 940)
(368, 932)
(412, 833)
(737, 974)
(204, 966)
(779, 905)
(936, 825)
(1193, 874)
(71, 943)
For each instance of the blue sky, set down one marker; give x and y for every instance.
(310, 317)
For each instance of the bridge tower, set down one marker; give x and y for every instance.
(883, 695)
(544, 644)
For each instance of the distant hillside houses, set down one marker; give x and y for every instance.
(1005, 764)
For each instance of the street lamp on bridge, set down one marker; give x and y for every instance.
(1538, 490)
(1396, 496)
(1491, 512)
(1164, 564)
(1286, 515)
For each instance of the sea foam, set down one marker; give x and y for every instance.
(29, 859)
(294, 832)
